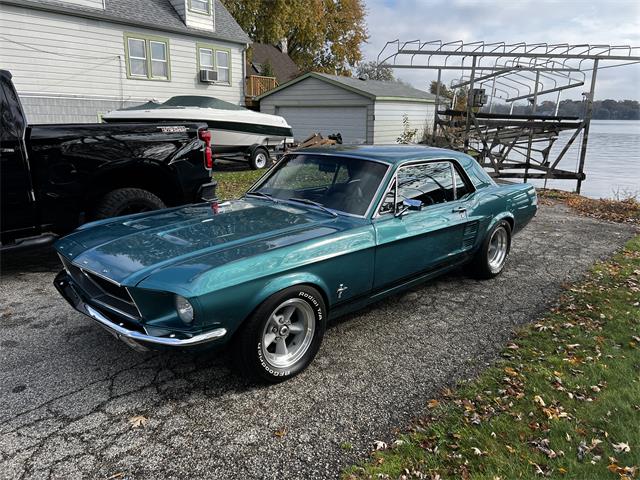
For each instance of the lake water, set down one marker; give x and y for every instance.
(612, 165)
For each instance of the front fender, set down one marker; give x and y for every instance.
(290, 280)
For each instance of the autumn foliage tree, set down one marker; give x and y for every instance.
(321, 35)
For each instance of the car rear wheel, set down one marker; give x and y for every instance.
(259, 158)
(126, 201)
(492, 256)
(283, 335)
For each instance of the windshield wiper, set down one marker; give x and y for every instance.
(261, 194)
(315, 204)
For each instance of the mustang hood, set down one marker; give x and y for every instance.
(128, 249)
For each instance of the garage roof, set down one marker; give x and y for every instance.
(374, 89)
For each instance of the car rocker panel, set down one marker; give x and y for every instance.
(326, 231)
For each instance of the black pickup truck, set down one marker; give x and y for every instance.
(56, 177)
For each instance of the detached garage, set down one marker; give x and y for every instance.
(362, 111)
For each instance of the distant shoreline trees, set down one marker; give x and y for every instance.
(602, 109)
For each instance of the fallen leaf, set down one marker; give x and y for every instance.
(538, 399)
(433, 403)
(379, 445)
(621, 447)
(510, 371)
(281, 432)
(138, 421)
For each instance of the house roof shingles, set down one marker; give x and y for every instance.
(283, 67)
(375, 89)
(153, 14)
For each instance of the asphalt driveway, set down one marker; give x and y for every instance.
(68, 390)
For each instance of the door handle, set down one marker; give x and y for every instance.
(459, 210)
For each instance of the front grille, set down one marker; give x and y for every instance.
(102, 291)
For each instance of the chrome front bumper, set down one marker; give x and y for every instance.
(135, 339)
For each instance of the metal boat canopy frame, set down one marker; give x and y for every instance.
(508, 145)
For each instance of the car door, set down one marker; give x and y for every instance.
(411, 242)
(18, 202)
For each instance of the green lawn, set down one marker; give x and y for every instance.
(563, 402)
(235, 183)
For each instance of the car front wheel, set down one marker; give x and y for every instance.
(492, 256)
(283, 335)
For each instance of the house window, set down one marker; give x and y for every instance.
(222, 62)
(200, 6)
(137, 58)
(147, 57)
(159, 63)
(216, 59)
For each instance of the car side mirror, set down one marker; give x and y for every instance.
(409, 205)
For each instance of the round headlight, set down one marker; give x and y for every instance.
(184, 309)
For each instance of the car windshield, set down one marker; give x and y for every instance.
(342, 184)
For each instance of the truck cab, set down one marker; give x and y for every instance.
(56, 177)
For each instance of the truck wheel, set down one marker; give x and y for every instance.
(126, 201)
(259, 158)
(490, 260)
(282, 336)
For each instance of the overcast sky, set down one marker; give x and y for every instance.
(578, 22)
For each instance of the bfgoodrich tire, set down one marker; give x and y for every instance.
(126, 201)
(492, 256)
(282, 336)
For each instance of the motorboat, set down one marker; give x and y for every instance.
(234, 129)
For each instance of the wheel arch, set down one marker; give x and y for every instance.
(506, 216)
(281, 283)
(135, 174)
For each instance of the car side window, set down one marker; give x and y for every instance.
(389, 201)
(431, 183)
(10, 118)
(463, 186)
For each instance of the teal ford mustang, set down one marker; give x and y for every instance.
(324, 232)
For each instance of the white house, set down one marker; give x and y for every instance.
(362, 111)
(73, 60)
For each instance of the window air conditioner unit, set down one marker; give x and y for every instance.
(208, 76)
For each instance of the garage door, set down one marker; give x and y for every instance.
(350, 122)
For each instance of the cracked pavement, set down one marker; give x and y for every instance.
(68, 388)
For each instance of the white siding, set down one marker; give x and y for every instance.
(57, 55)
(388, 119)
(200, 20)
(314, 93)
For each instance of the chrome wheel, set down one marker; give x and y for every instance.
(261, 160)
(288, 333)
(498, 249)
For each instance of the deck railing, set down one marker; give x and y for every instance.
(257, 85)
